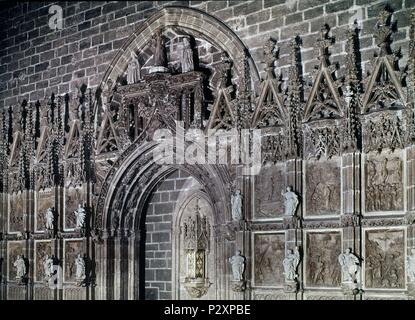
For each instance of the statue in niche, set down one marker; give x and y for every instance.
(160, 59)
(350, 266)
(238, 266)
(186, 58)
(290, 263)
(80, 268)
(237, 206)
(291, 201)
(50, 219)
(133, 69)
(48, 267)
(20, 266)
(80, 216)
(410, 265)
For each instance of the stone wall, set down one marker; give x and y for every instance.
(159, 217)
(36, 60)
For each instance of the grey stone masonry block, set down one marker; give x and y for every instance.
(247, 8)
(216, 5)
(160, 208)
(163, 275)
(307, 4)
(160, 237)
(260, 16)
(339, 6)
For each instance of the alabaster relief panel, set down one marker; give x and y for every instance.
(269, 251)
(384, 183)
(385, 259)
(44, 200)
(72, 249)
(73, 197)
(14, 249)
(322, 251)
(16, 212)
(323, 188)
(42, 249)
(268, 186)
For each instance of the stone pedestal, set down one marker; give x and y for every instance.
(291, 286)
(238, 286)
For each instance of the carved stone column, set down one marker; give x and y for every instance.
(293, 226)
(350, 217)
(410, 210)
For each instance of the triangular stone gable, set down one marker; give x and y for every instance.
(269, 111)
(384, 90)
(15, 149)
(42, 148)
(73, 146)
(324, 101)
(222, 116)
(108, 140)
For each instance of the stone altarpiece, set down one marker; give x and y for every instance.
(344, 146)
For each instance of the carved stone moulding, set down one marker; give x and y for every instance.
(410, 217)
(269, 295)
(384, 258)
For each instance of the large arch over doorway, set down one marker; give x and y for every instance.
(193, 20)
(120, 207)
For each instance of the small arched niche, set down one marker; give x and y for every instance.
(195, 255)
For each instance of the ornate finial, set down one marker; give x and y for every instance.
(324, 43)
(383, 32)
(351, 77)
(224, 68)
(412, 36)
(270, 56)
(294, 100)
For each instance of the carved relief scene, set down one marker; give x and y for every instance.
(44, 252)
(73, 197)
(73, 249)
(322, 250)
(384, 183)
(16, 212)
(269, 252)
(269, 184)
(385, 259)
(323, 188)
(44, 202)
